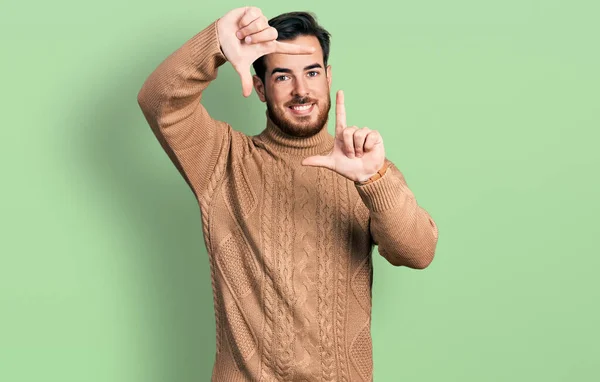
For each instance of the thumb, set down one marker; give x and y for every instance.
(246, 79)
(319, 161)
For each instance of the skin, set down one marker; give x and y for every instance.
(245, 35)
(296, 80)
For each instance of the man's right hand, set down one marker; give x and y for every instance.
(245, 35)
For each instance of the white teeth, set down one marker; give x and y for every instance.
(305, 107)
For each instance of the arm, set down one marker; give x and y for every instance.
(406, 235)
(404, 232)
(170, 101)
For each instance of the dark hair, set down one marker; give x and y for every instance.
(291, 25)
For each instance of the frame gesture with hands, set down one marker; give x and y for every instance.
(357, 153)
(245, 35)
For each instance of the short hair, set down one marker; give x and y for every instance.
(291, 25)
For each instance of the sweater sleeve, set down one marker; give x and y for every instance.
(170, 102)
(405, 234)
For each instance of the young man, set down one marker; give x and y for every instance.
(290, 216)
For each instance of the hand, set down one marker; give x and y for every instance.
(357, 153)
(245, 35)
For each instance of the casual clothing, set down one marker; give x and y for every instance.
(290, 246)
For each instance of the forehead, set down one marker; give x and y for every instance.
(296, 61)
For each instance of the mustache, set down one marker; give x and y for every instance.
(301, 101)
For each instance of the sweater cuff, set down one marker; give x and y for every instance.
(205, 44)
(385, 192)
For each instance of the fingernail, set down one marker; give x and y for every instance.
(248, 39)
(239, 34)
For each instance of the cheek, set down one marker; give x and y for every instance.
(275, 96)
(322, 90)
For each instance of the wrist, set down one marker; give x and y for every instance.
(375, 176)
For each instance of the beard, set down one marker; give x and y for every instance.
(303, 127)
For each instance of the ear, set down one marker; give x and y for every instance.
(259, 87)
(329, 76)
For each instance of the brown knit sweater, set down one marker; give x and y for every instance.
(289, 245)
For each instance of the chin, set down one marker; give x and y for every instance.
(307, 128)
(304, 122)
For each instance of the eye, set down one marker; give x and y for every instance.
(313, 73)
(280, 78)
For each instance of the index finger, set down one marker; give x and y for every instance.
(290, 48)
(340, 112)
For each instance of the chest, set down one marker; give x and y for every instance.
(296, 207)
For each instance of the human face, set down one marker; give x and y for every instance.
(297, 89)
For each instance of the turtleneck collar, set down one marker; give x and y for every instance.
(283, 144)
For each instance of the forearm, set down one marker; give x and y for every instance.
(170, 101)
(172, 91)
(406, 235)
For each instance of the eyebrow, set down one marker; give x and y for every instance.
(285, 70)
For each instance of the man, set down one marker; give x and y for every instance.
(290, 216)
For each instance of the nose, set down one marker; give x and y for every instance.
(300, 88)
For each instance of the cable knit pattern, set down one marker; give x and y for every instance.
(326, 221)
(239, 195)
(241, 339)
(237, 265)
(268, 287)
(289, 246)
(285, 263)
(360, 348)
(341, 263)
(361, 215)
(362, 277)
(305, 283)
(204, 202)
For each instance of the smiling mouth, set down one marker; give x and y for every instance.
(301, 109)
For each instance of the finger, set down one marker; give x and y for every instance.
(291, 48)
(265, 35)
(372, 139)
(246, 79)
(348, 141)
(340, 112)
(319, 161)
(359, 141)
(255, 26)
(251, 14)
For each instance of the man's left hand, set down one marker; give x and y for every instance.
(357, 153)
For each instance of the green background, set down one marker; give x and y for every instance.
(491, 110)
